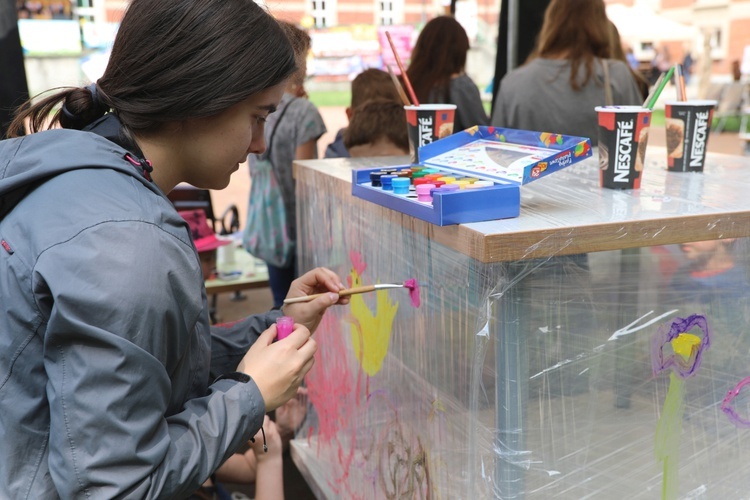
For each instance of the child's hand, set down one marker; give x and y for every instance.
(273, 442)
(290, 415)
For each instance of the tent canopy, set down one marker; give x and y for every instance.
(641, 23)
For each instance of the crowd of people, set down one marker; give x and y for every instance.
(114, 382)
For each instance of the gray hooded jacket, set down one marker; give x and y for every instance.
(106, 354)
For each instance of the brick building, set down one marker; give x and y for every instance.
(326, 13)
(724, 26)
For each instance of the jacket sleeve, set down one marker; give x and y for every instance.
(127, 354)
(230, 341)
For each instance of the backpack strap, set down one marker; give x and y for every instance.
(608, 101)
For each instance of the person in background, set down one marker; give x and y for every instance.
(437, 72)
(663, 59)
(713, 281)
(687, 65)
(297, 126)
(114, 383)
(204, 239)
(563, 80)
(260, 465)
(378, 128)
(616, 52)
(736, 71)
(710, 275)
(660, 63)
(372, 83)
(631, 59)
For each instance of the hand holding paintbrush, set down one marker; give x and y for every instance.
(410, 284)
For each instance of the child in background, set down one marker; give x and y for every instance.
(264, 468)
(710, 275)
(372, 83)
(378, 128)
(205, 240)
(713, 282)
(296, 127)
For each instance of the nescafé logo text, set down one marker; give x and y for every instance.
(624, 147)
(699, 139)
(425, 131)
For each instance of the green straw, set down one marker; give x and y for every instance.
(663, 84)
(653, 89)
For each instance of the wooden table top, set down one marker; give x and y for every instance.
(568, 213)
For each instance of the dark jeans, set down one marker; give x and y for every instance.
(280, 279)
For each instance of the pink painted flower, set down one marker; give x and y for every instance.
(686, 348)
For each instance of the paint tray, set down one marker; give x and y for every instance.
(507, 157)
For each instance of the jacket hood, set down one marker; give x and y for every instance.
(27, 161)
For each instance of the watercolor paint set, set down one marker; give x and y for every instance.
(471, 176)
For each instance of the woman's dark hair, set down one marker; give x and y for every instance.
(173, 60)
(440, 53)
(576, 30)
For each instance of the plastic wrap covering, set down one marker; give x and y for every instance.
(579, 351)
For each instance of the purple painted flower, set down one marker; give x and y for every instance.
(687, 348)
(726, 405)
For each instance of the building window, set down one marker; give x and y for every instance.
(388, 12)
(322, 12)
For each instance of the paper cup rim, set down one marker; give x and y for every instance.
(622, 109)
(430, 107)
(693, 102)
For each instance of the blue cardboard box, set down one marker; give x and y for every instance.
(507, 157)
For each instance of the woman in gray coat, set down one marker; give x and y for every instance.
(564, 78)
(112, 382)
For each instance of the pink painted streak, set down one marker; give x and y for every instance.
(413, 287)
(333, 392)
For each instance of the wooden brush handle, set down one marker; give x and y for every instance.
(342, 293)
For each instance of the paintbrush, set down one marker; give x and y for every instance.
(399, 88)
(680, 77)
(409, 88)
(351, 291)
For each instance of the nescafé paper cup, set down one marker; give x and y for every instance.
(426, 124)
(687, 124)
(623, 136)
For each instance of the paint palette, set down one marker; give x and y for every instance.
(476, 174)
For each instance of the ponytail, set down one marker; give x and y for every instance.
(75, 108)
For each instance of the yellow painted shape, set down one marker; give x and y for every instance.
(371, 333)
(686, 344)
